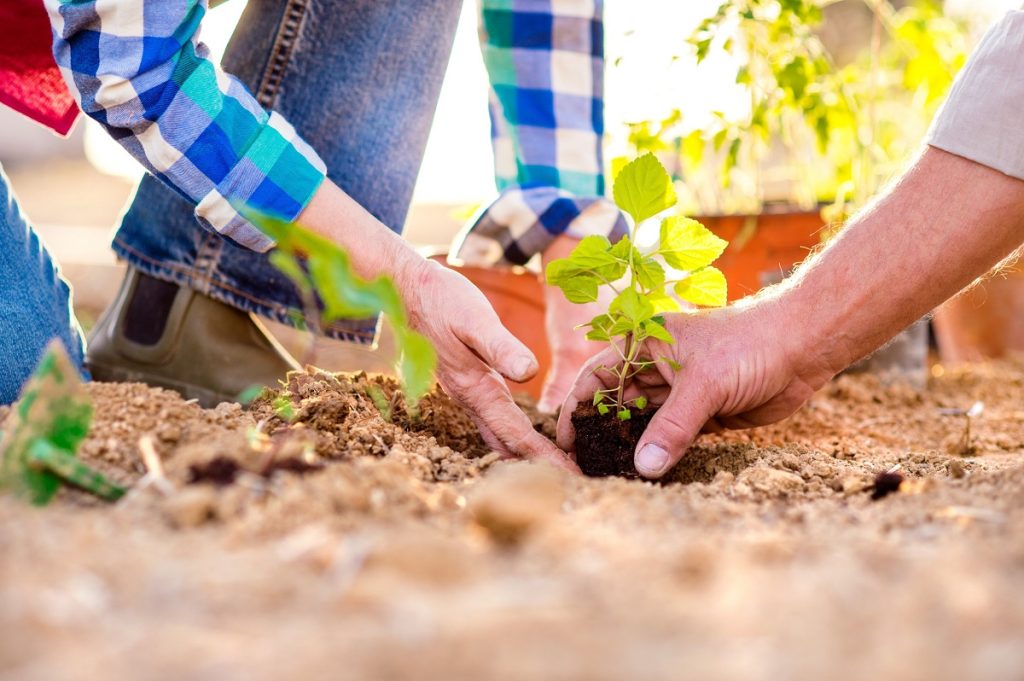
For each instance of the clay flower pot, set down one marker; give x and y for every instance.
(518, 297)
(986, 322)
(763, 248)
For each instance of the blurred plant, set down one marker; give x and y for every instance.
(642, 189)
(319, 268)
(844, 130)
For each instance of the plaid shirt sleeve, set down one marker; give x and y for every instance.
(545, 60)
(138, 68)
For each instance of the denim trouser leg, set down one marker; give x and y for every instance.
(35, 301)
(359, 80)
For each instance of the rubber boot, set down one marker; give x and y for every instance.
(169, 336)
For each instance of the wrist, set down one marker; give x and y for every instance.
(809, 343)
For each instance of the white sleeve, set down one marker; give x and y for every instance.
(981, 119)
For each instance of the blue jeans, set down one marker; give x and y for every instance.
(359, 80)
(35, 301)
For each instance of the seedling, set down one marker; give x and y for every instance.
(43, 432)
(643, 288)
(964, 446)
(319, 267)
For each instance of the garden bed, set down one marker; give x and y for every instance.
(343, 545)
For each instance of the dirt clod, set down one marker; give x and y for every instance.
(605, 444)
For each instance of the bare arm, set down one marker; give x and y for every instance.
(945, 223)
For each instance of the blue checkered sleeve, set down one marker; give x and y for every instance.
(138, 68)
(545, 61)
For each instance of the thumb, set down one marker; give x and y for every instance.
(498, 348)
(673, 429)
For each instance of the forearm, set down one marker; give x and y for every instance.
(373, 248)
(945, 223)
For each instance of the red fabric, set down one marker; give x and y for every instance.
(30, 82)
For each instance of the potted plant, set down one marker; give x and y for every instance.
(647, 284)
(820, 135)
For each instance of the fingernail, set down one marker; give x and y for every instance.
(651, 460)
(523, 367)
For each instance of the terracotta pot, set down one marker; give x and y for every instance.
(518, 298)
(986, 322)
(763, 248)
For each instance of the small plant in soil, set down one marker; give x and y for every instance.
(646, 284)
(331, 290)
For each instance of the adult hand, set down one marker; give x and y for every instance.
(474, 351)
(569, 346)
(736, 371)
(446, 308)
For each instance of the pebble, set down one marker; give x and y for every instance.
(515, 498)
(771, 480)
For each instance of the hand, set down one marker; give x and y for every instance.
(470, 340)
(737, 371)
(570, 348)
(446, 308)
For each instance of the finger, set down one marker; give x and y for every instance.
(491, 402)
(675, 426)
(589, 380)
(496, 346)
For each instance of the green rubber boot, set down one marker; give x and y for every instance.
(169, 336)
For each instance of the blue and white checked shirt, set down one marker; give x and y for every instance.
(545, 61)
(138, 68)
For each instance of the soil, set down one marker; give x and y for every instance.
(605, 444)
(404, 549)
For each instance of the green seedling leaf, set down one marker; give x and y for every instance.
(632, 306)
(417, 363)
(346, 295)
(249, 394)
(688, 245)
(706, 287)
(653, 329)
(649, 272)
(598, 398)
(643, 188)
(284, 408)
(624, 414)
(54, 410)
(672, 364)
(594, 254)
(662, 302)
(640, 402)
(580, 289)
(380, 400)
(600, 328)
(603, 409)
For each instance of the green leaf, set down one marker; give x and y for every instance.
(346, 295)
(705, 287)
(593, 254)
(640, 402)
(600, 328)
(674, 365)
(663, 302)
(603, 409)
(649, 272)
(643, 188)
(632, 306)
(655, 330)
(416, 364)
(624, 414)
(688, 245)
(579, 289)
(598, 398)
